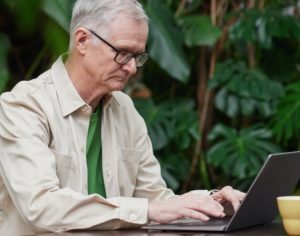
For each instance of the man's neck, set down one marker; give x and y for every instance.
(79, 78)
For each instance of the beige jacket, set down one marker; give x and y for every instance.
(43, 182)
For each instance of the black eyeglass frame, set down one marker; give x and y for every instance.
(139, 63)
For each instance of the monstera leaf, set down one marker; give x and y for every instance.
(240, 153)
(173, 129)
(244, 91)
(167, 122)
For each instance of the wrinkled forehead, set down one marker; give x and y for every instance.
(129, 34)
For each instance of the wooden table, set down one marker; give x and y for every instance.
(271, 229)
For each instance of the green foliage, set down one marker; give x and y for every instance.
(56, 39)
(281, 64)
(262, 27)
(26, 14)
(36, 21)
(193, 6)
(57, 24)
(285, 124)
(169, 120)
(157, 122)
(173, 129)
(281, 26)
(240, 153)
(173, 168)
(59, 11)
(199, 31)
(4, 73)
(244, 91)
(165, 41)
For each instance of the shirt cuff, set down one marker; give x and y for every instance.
(132, 210)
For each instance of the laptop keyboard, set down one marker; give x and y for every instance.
(211, 222)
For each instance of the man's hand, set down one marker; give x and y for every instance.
(229, 198)
(196, 206)
(189, 205)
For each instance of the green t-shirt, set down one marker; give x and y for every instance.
(94, 155)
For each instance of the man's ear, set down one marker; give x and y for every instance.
(81, 40)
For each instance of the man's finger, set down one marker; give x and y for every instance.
(190, 213)
(233, 197)
(240, 194)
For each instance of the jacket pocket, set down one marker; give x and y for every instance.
(128, 169)
(66, 168)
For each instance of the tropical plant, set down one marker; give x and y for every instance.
(245, 92)
(173, 129)
(227, 70)
(245, 87)
(4, 73)
(240, 153)
(285, 123)
(37, 34)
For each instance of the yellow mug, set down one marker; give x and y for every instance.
(289, 209)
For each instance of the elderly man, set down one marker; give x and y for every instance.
(75, 154)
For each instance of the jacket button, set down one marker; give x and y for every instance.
(132, 216)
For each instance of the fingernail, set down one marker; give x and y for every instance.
(206, 218)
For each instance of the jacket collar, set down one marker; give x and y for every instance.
(68, 97)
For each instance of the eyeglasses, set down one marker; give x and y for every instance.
(123, 57)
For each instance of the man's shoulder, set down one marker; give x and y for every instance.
(28, 87)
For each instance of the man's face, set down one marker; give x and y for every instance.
(125, 34)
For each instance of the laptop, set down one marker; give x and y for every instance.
(278, 177)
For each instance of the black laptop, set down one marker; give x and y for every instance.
(278, 177)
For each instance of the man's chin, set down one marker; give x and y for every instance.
(119, 87)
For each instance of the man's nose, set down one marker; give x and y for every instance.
(130, 66)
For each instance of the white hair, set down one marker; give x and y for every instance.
(97, 14)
